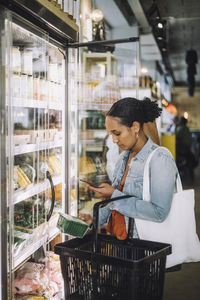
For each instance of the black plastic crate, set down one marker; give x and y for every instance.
(132, 269)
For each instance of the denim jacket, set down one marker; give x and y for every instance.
(162, 172)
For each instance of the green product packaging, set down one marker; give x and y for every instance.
(72, 225)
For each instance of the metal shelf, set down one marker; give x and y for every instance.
(46, 16)
(94, 106)
(24, 256)
(19, 102)
(34, 189)
(27, 148)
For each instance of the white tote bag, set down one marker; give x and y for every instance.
(178, 229)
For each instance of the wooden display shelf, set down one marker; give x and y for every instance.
(60, 14)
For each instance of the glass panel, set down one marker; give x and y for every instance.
(105, 78)
(3, 168)
(72, 144)
(35, 154)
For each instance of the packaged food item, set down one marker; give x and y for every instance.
(27, 280)
(23, 180)
(58, 192)
(72, 225)
(53, 72)
(16, 60)
(27, 62)
(23, 82)
(30, 87)
(29, 171)
(21, 139)
(16, 84)
(55, 164)
(43, 88)
(22, 240)
(36, 85)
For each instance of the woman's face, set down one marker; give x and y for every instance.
(123, 136)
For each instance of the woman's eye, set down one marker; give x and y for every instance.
(117, 134)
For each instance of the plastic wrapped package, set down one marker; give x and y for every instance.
(55, 164)
(54, 269)
(39, 280)
(58, 192)
(29, 171)
(22, 179)
(22, 240)
(71, 225)
(24, 175)
(29, 214)
(27, 279)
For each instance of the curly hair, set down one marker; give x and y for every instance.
(129, 110)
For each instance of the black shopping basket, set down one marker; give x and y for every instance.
(101, 267)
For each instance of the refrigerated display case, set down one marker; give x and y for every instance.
(34, 139)
(104, 76)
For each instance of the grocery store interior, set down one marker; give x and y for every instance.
(63, 64)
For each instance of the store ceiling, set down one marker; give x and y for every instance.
(182, 29)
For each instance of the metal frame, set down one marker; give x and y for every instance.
(39, 15)
(3, 172)
(105, 42)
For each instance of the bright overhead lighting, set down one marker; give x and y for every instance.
(97, 15)
(160, 25)
(144, 70)
(186, 115)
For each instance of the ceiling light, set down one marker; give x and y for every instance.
(164, 49)
(97, 15)
(144, 70)
(160, 25)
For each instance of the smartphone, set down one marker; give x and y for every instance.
(85, 181)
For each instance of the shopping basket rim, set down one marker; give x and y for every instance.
(71, 249)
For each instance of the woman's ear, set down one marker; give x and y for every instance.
(136, 126)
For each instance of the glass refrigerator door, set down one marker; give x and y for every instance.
(105, 77)
(35, 106)
(72, 140)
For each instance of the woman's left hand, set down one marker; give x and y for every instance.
(104, 190)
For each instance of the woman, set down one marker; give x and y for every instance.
(125, 122)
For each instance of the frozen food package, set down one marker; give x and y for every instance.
(55, 164)
(29, 171)
(72, 225)
(22, 240)
(23, 180)
(28, 279)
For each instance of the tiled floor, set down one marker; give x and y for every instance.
(185, 284)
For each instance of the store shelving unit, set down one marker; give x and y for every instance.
(34, 135)
(34, 189)
(98, 93)
(99, 65)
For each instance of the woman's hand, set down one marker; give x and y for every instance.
(105, 190)
(86, 218)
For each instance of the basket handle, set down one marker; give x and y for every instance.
(96, 218)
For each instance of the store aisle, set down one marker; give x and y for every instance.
(185, 284)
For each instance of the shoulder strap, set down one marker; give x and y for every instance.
(146, 184)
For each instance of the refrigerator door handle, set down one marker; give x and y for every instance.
(52, 195)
